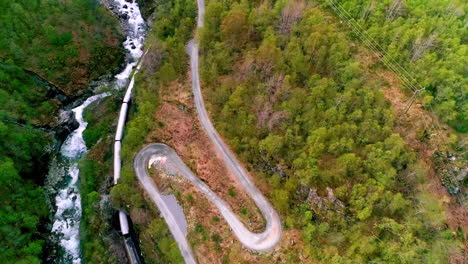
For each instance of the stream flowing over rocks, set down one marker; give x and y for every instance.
(63, 175)
(62, 183)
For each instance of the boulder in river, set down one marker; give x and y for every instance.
(66, 123)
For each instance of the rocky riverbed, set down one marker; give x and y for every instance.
(62, 183)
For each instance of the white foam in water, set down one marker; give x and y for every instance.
(125, 74)
(74, 145)
(68, 201)
(135, 37)
(67, 217)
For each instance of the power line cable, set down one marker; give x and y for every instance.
(361, 30)
(394, 66)
(370, 44)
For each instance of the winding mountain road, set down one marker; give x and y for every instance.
(165, 158)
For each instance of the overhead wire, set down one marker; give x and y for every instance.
(393, 65)
(349, 19)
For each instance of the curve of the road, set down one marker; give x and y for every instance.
(165, 158)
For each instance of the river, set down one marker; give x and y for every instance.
(63, 178)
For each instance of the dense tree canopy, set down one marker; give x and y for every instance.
(23, 153)
(428, 38)
(22, 207)
(67, 43)
(292, 101)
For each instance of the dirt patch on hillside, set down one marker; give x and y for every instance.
(422, 132)
(179, 128)
(209, 234)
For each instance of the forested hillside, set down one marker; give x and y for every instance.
(429, 39)
(67, 43)
(286, 93)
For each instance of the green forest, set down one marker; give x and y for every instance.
(67, 44)
(285, 90)
(291, 100)
(428, 39)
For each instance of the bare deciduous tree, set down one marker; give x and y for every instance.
(420, 46)
(275, 119)
(291, 13)
(367, 11)
(266, 116)
(395, 9)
